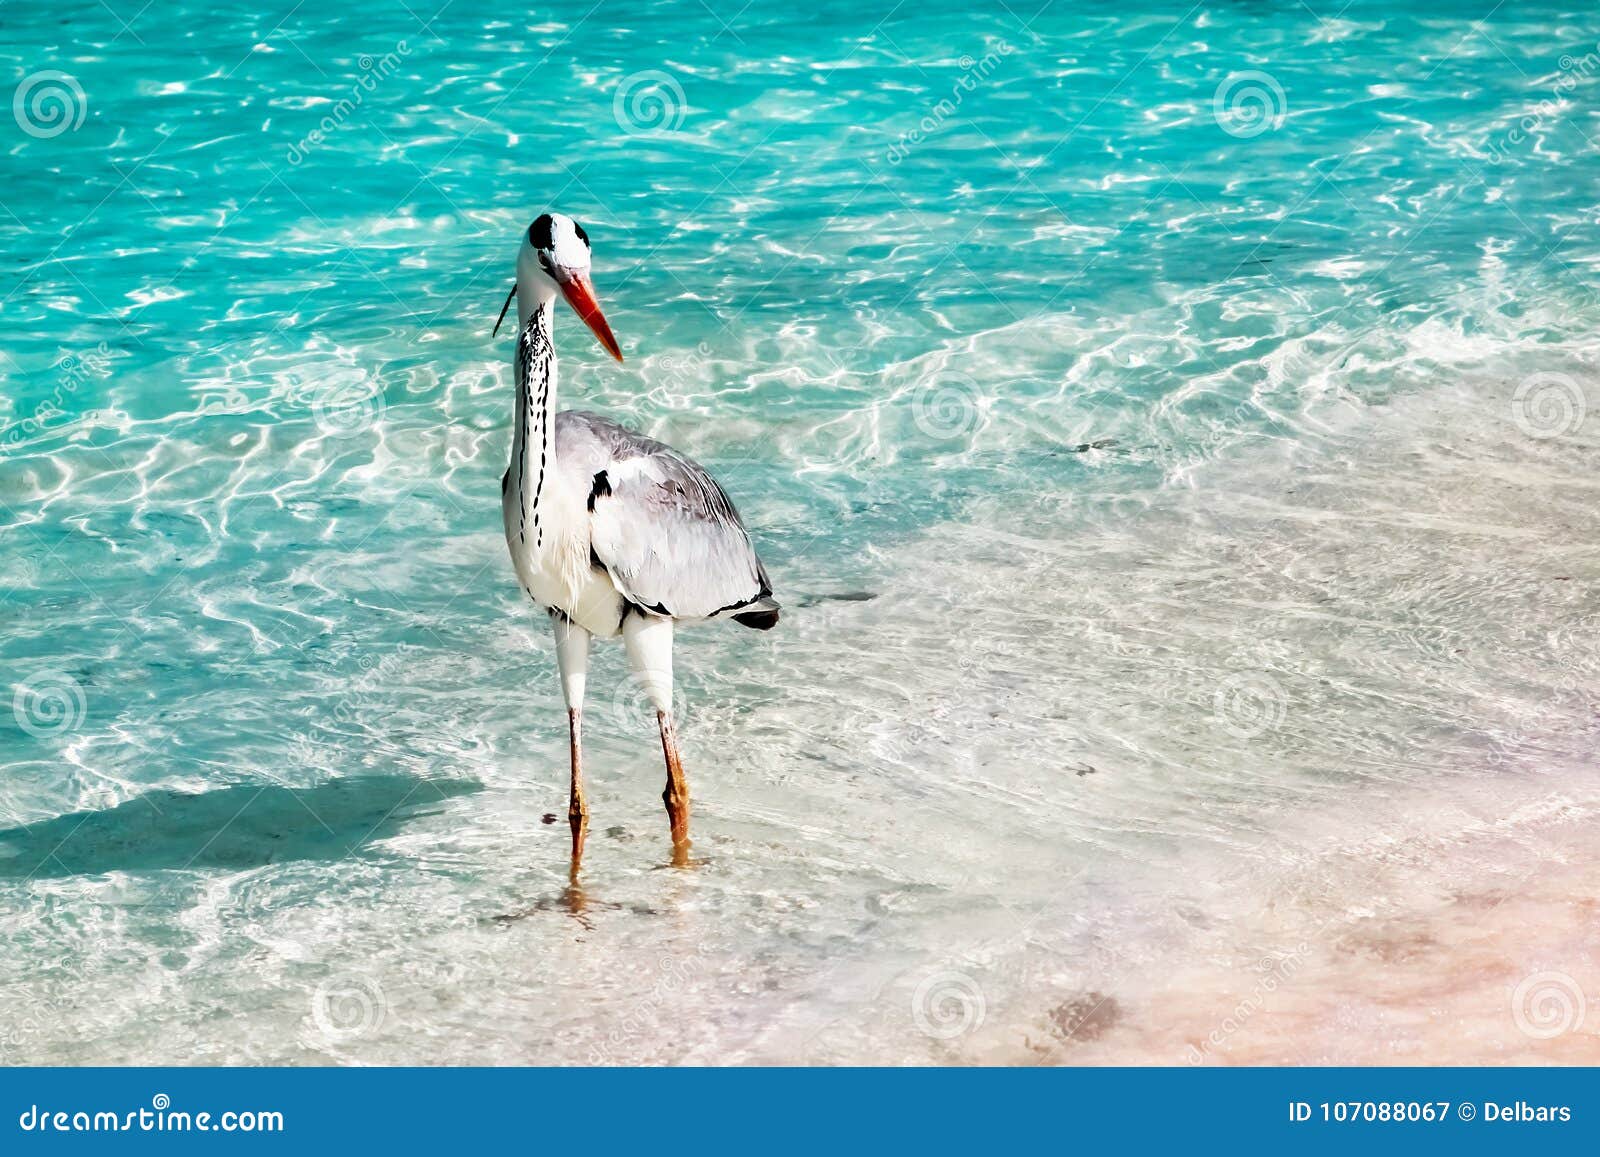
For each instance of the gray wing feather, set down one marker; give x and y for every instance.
(660, 525)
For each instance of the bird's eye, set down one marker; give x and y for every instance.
(541, 234)
(582, 236)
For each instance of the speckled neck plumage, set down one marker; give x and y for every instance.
(532, 447)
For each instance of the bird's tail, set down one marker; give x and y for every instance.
(761, 615)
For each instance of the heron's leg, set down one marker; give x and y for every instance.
(648, 640)
(572, 657)
(577, 804)
(676, 794)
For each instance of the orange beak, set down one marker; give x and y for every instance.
(580, 295)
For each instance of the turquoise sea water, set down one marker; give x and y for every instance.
(1166, 431)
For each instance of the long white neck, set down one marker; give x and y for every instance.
(533, 474)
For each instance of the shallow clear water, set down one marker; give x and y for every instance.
(1166, 432)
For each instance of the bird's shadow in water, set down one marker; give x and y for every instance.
(231, 828)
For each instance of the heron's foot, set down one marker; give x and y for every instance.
(676, 796)
(578, 818)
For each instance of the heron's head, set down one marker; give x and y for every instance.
(555, 250)
(554, 261)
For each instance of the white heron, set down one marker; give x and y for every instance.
(612, 532)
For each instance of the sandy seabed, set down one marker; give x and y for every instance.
(1476, 948)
